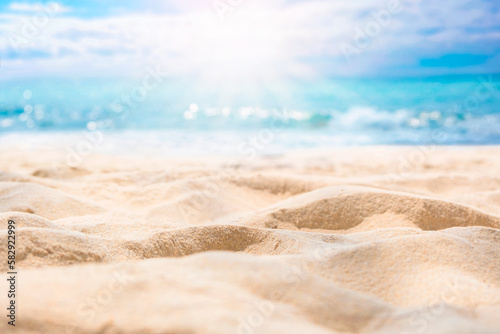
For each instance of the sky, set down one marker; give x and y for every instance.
(224, 41)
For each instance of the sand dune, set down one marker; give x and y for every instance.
(317, 242)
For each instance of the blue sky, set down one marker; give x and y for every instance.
(224, 41)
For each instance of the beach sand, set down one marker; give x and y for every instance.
(354, 240)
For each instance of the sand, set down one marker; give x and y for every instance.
(354, 240)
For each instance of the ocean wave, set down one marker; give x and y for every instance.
(349, 112)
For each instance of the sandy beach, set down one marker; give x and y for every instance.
(355, 240)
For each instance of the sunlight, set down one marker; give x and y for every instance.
(247, 49)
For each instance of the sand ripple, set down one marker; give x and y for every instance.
(274, 246)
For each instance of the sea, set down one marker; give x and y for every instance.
(184, 115)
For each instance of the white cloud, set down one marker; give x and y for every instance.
(256, 41)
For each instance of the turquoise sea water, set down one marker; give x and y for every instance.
(440, 110)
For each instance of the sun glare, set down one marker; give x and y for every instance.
(245, 49)
(244, 55)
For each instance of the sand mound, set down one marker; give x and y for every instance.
(331, 242)
(43, 201)
(347, 207)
